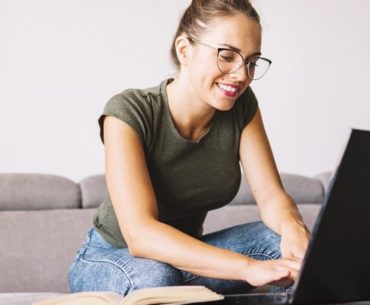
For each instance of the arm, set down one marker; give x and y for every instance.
(135, 205)
(278, 210)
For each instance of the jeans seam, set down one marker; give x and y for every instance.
(268, 256)
(133, 287)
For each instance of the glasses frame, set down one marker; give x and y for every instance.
(246, 62)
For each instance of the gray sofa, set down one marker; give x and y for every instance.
(44, 218)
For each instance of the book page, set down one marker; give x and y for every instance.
(171, 295)
(146, 296)
(84, 298)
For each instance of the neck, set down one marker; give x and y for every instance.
(191, 116)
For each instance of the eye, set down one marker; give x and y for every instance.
(227, 55)
(225, 58)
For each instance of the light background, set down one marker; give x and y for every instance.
(60, 61)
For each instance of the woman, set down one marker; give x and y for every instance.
(173, 152)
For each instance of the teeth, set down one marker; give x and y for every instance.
(227, 88)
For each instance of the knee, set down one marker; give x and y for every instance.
(99, 276)
(268, 240)
(158, 274)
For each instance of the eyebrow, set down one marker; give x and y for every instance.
(238, 50)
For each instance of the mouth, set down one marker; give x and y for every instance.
(229, 90)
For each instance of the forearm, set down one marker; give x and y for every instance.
(278, 211)
(164, 243)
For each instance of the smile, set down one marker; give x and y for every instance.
(228, 90)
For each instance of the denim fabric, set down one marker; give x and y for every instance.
(99, 266)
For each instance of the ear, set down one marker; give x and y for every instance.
(182, 45)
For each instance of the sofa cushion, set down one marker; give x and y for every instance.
(325, 178)
(93, 191)
(302, 189)
(37, 192)
(238, 214)
(37, 248)
(25, 298)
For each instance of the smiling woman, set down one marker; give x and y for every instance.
(223, 70)
(173, 153)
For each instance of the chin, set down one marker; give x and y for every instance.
(222, 102)
(224, 106)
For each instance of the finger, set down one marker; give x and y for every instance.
(292, 256)
(283, 278)
(279, 276)
(295, 259)
(299, 254)
(292, 263)
(293, 275)
(286, 254)
(294, 253)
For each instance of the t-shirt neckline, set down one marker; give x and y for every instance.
(169, 119)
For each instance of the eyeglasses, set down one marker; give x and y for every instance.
(229, 61)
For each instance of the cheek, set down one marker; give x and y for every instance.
(203, 59)
(210, 64)
(205, 69)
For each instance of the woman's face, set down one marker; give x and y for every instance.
(217, 89)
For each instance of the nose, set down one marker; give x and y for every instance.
(240, 73)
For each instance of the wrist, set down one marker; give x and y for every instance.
(293, 224)
(245, 267)
(294, 228)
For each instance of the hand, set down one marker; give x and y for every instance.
(294, 241)
(279, 272)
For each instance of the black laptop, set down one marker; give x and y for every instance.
(336, 267)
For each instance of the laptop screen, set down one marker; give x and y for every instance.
(336, 266)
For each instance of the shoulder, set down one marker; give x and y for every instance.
(138, 99)
(136, 107)
(135, 101)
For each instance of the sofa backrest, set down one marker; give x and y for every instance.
(44, 219)
(302, 189)
(38, 192)
(42, 224)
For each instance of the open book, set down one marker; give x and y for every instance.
(158, 295)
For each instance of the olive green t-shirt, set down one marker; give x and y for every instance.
(189, 178)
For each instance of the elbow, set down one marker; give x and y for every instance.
(133, 244)
(141, 237)
(135, 249)
(139, 244)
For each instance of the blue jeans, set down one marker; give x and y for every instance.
(99, 266)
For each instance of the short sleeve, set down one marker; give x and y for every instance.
(246, 107)
(131, 108)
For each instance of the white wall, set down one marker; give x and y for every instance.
(61, 60)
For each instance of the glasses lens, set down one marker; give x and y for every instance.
(228, 61)
(257, 67)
